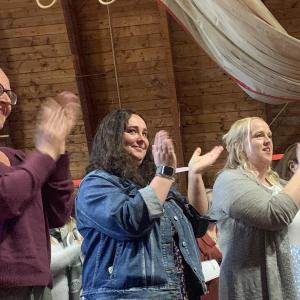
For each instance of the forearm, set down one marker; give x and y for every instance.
(63, 258)
(161, 187)
(28, 177)
(197, 193)
(58, 193)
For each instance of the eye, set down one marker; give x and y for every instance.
(131, 131)
(145, 134)
(259, 135)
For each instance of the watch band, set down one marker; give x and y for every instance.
(165, 171)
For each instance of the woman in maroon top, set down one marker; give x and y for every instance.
(35, 194)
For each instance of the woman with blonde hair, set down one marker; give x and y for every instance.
(254, 208)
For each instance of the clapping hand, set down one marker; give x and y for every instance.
(199, 163)
(57, 118)
(163, 150)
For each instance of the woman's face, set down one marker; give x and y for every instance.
(5, 107)
(259, 146)
(135, 138)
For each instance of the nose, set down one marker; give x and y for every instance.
(141, 138)
(268, 139)
(4, 98)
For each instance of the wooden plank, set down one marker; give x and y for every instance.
(42, 78)
(101, 45)
(35, 52)
(33, 31)
(85, 99)
(31, 41)
(32, 21)
(40, 65)
(175, 110)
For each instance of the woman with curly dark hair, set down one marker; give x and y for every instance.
(138, 241)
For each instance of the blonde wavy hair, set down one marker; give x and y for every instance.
(235, 139)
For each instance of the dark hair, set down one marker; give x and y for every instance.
(283, 168)
(108, 152)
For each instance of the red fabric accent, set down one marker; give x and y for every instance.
(277, 156)
(76, 182)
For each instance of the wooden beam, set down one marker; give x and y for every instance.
(182, 178)
(79, 66)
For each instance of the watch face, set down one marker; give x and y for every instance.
(169, 171)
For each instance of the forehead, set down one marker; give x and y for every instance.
(259, 125)
(136, 120)
(4, 80)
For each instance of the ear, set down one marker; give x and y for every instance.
(292, 166)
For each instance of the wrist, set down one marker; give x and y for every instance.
(165, 172)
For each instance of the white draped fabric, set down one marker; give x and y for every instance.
(244, 39)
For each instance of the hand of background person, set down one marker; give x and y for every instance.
(163, 150)
(57, 118)
(199, 163)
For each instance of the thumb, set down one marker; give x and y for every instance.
(197, 152)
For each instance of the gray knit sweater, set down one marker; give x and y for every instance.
(253, 238)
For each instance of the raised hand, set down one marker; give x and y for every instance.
(71, 107)
(199, 163)
(163, 150)
(57, 118)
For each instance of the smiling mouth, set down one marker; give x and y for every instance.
(267, 149)
(4, 110)
(138, 148)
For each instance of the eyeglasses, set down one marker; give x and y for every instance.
(12, 95)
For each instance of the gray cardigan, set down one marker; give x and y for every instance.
(253, 228)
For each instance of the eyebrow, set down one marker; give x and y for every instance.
(261, 131)
(136, 127)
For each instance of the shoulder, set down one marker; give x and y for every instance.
(98, 175)
(229, 175)
(13, 154)
(104, 179)
(231, 183)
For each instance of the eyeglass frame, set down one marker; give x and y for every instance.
(10, 93)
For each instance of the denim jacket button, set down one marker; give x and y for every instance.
(175, 218)
(184, 244)
(110, 269)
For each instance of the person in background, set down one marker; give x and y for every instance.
(66, 262)
(253, 210)
(286, 168)
(138, 241)
(35, 194)
(209, 250)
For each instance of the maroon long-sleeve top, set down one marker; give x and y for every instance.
(35, 194)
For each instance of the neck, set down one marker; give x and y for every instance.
(261, 172)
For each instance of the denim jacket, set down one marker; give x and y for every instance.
(128, 241)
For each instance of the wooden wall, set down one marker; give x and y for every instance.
(286, 127)
(161, 73)
(35, 53)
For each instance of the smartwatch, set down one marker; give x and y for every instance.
(165, 171)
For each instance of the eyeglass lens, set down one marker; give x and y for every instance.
(12, 95)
